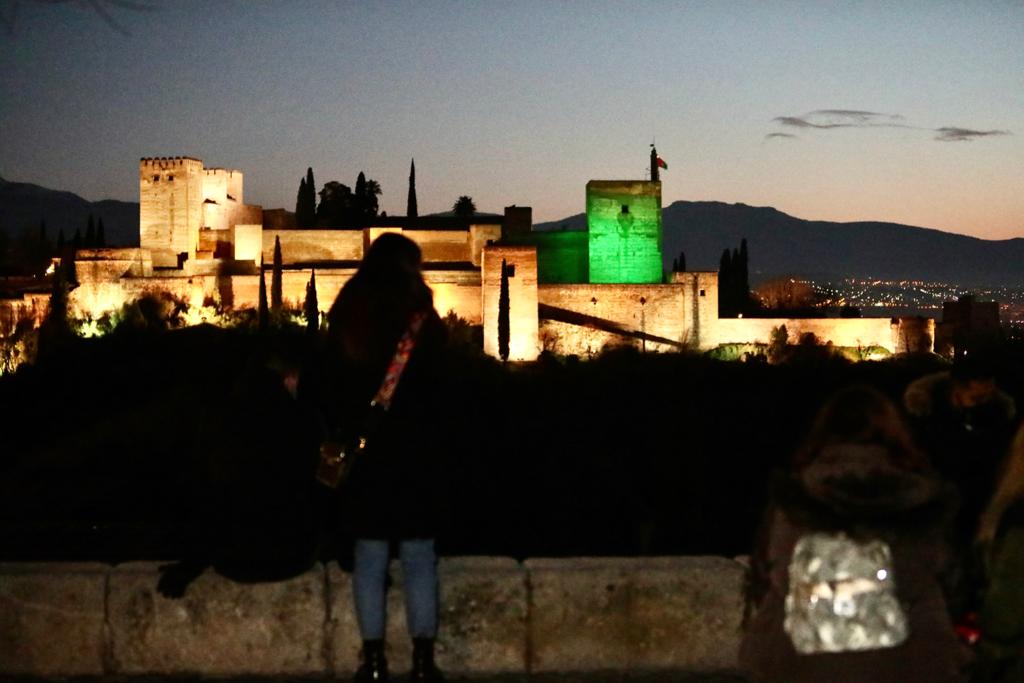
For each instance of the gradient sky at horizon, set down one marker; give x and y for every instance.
(524, 102)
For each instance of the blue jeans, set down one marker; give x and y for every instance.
(419, 571)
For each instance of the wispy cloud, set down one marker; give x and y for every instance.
(772, 136)
(842, 118)
(828, 119)
(953, 134)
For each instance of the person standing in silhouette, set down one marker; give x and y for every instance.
(393, 498)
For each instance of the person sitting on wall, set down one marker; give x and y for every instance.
(845, 575)
(394, 494)
(965, 423)
(1000, 539)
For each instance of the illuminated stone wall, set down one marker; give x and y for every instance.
(106, 265)
(584, 320)
(311, 246)
(170, 207)
(851, 332)
(624, 226)
(522, 290)
(29, 306)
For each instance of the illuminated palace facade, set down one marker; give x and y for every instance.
(570, 292)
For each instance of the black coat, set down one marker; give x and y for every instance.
(396, 489)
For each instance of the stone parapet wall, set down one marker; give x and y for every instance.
(497, 616)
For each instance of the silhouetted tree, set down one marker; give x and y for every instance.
(300, 204)
(310, 307)
(76, 242)
(366, 193)
(504, 327)
(725, 278)
(101, 235)
(411, 210)
(778, 344)
(743, 276)
(56, 328)
(336, 204)
(90, 234)
(263, 312)
(682, 262)
(305, 201)
(60, 240)
(276, 275)
(464, 207)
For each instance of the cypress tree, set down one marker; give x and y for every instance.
(743, 278)
(411, 210)
(90, 234)
(101, 235)
(276, 275)
(682, 261)
(300, 204)
(504, 328)
(60, 241)
(76, 242)
(263, 312)
(725, 285)
(310, 210)
(56, 328)
(310, 307)
(362, 205)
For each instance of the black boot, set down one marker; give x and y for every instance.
(423, 668)
(374, 668)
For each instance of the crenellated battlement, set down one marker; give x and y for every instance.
(169, 162)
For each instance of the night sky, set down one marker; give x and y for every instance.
(836, 111)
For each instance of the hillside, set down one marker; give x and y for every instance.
(781, 244)
(23, 206)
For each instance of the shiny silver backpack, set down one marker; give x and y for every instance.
(842, 596)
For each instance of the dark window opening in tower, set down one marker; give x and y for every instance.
(702, 292)
(511, 270)
(156, 178)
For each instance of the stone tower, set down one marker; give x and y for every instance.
(170, 208)
(624, 231)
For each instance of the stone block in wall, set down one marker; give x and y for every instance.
(589, 614)
(52, 619)
(483, 616)
(219, 628)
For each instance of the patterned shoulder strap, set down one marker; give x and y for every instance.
(402, 352)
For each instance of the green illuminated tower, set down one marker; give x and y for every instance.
(624, 224)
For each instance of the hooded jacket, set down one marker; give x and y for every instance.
(855, 489)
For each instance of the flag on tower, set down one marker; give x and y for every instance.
(662, 164)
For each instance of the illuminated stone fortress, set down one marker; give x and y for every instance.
(570, 292)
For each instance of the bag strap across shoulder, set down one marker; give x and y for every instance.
(404, 349)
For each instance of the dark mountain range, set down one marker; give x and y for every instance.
(23, 205)
(780, 244)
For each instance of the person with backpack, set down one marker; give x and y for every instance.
(385, 338)
(845, 577)
(1000, 539)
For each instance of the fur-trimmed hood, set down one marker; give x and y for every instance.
(855, 484)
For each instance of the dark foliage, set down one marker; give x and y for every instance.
(625, 454)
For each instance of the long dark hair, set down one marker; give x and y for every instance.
(373, 309)
(861, 415)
